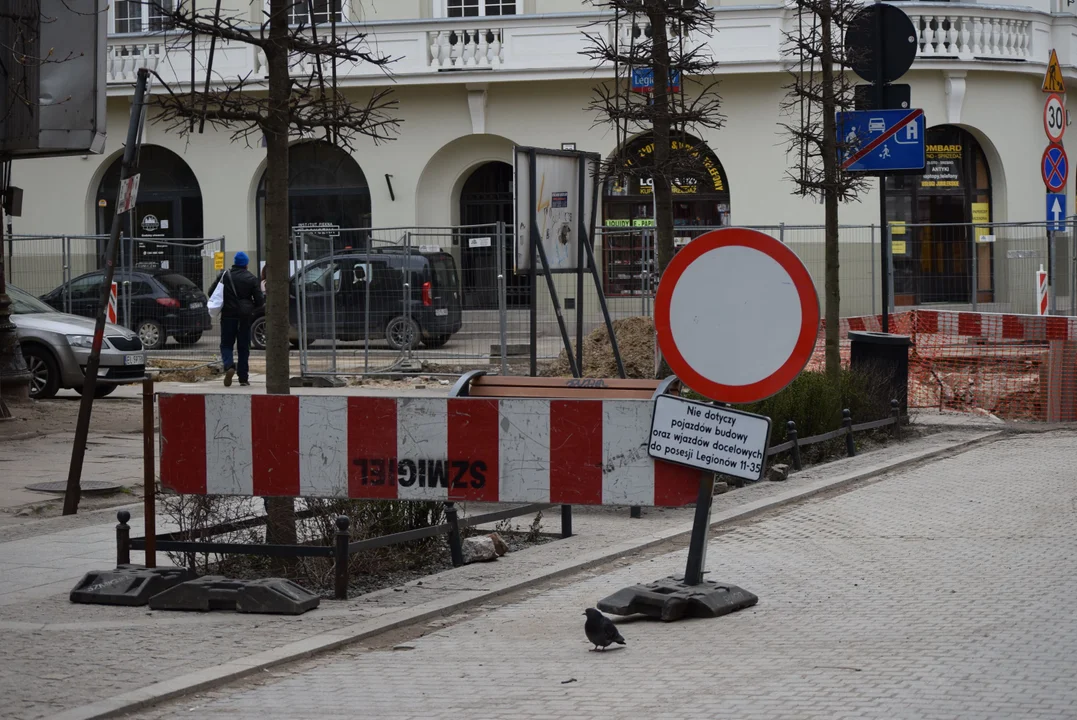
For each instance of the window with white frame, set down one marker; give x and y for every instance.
(325, 11)
(139, 16)
(477, 8)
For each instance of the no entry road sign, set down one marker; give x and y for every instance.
(881, 140)
(736, 315)
(1055, 168)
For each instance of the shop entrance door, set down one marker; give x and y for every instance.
(945, 250)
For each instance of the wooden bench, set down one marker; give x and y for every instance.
(478, 384)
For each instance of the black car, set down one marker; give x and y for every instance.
(163, 304)
(340, 290)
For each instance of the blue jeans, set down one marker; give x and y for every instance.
(233, 331)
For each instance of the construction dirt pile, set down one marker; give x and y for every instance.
(635, 338)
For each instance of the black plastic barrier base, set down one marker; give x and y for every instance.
(213, 592)
(130, 585)
(671, 599)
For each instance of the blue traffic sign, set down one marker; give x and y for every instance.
(1056, 212)
(879, 141)
(643, 80)
(1055, 168)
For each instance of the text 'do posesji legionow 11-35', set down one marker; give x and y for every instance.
(710, 438)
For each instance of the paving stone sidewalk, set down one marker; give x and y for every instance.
(943, 591)
(71, 655)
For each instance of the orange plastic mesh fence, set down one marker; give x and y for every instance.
(1016, 367)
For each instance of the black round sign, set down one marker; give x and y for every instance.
(898, 37)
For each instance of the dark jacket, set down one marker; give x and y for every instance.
(242, 293)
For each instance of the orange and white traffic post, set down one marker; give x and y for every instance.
(112, 304)
(1041, 291)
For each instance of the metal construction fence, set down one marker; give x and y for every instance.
(369, 301)
(161, 286)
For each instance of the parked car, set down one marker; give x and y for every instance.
(338, 290)
(57, 347)
(163, 304)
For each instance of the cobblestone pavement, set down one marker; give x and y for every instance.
(71, 655)
(944, 591)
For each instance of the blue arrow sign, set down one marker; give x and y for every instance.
(879, 141)
(1056, 212)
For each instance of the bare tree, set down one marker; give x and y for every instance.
(821, 87)
(299, 97)
(670, 39)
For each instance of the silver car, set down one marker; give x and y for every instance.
(57, 347)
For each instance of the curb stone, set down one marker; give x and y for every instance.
(333, 639)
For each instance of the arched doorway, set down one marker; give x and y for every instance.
(169, 208)
(486, 199)
(701, 202)
(933, 259)
(326, 188)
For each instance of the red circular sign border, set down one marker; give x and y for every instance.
(1046, 104)
(809, 314)
(1043, 161)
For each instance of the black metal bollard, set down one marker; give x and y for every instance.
(566, 521)
(123, 538)
(847, 423)
(456, 545)
(635, 512)
(791, 433)
(895, 414)
(341, 556)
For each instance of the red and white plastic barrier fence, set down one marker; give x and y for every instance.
(576, 452)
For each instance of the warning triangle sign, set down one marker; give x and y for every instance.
(1052, 79)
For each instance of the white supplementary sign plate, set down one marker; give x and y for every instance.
(478, 242)
(128, 194)
(716, 439)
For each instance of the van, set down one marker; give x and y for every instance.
(348, 289)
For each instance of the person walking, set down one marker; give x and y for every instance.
(240, 297)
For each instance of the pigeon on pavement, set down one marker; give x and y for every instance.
(600, 630)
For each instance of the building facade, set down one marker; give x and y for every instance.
(475, 77)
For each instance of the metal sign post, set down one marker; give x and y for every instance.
(82, 428)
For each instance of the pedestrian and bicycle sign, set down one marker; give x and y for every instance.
(1055, 168)
(879, 141)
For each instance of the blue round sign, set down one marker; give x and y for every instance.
(1055, 167)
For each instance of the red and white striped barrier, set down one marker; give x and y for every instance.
(1041, 291)
(112, 304)
(995, 326)
(575, 452)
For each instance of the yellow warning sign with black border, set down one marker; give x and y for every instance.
(1052, 79)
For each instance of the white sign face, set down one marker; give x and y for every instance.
(986, 239)
(478, 242)
(710, 438)
(329, 230)
(556, 212)
(1054, 118)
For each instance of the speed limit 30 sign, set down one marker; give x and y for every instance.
(1054, 118)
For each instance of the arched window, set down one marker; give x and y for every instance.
(934, 223)
(169, 209)
(701, 201)
(325, 187)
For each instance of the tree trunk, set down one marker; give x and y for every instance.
(662, 186)
(832, 293)
(280, 511)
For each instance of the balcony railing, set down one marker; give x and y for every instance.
(747, 39)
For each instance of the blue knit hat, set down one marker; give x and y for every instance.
(241, 259)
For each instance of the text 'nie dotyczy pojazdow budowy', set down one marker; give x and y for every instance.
(710, 438)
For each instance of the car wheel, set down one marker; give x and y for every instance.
(402, 333)
(152, 334)
(44, 372)
(258, 333)
(188, 338)
(436, 341)
(100, 391)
